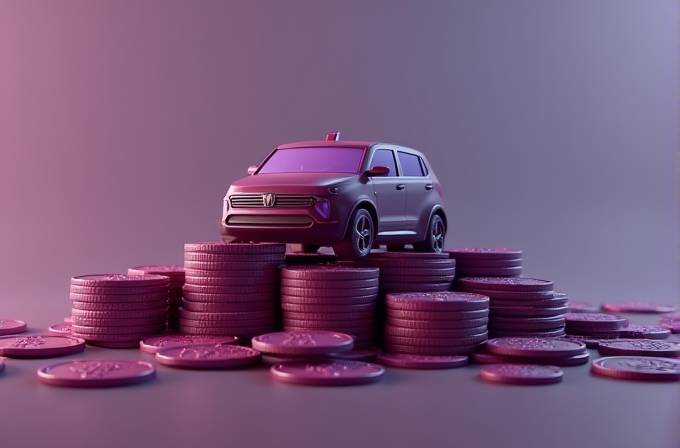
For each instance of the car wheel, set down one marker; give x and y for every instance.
(359, 238)
(434, 239)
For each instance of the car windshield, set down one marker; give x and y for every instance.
(314, 160)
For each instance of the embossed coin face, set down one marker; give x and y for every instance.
(155, 343)
(336, 372)
(406, 361)
(528, 374)
(120, 280)
(310, 342)
(508, 283)
(645, 332)
(40, 346)
(639, 347)
(214, 356)
(642, 368)
(96, 373)
(543, 347)
(11, 326)
(437, 301)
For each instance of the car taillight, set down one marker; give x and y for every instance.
(323, 207)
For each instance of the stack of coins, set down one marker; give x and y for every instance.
(487, 262)
(176, 276)
(231, 289)
(520, 306)
(541, 351)
(595, 325)
(331, 298)
(439, 324)
(116, 311)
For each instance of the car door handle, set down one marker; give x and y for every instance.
(429, 187)
(401, 186)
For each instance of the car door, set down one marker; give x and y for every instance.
(420, 198)
(390, 192)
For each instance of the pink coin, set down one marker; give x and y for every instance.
(120, 280)
(543, 347)
(168, 271)
(566, 361)
(310, 342)
(40, 346)
(508, 283)
(219, 247)
(642, 368)
(11, 326)
(511, 296)
(366, 355)
(406, 361)
(594, 320)
(645, 332)
(639, 347)
(62, 329)
(335, 372)
(332, 272)
(437, 301)
(155, 343)
(214, 356)
(96, 373)
(525, 374)
(637, 307)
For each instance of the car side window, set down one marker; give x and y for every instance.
(385, 157)
(410, 164)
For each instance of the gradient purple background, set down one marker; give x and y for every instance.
(552, 125)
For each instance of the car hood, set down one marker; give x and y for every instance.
(290, 180)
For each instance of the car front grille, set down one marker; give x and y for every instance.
(279, 200)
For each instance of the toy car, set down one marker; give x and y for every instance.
(350, 195)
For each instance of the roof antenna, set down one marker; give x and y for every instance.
(333, 137)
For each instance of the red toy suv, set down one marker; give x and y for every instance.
(350, 195)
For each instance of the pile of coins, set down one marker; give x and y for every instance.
(231, 289)
(116, 311)
(331, 298)
(436, 324)
(520, 306)
(176, 276)
(482, 262)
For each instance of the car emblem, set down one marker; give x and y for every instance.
(269, 199)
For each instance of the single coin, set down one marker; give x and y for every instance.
(111, 291)
(436, 315)
(11, 326)
(496, 333)
(334, 372)
(514, 303)
(228, 307)
(233, 292)
(441, 333)
(330, 284)
(329, 300)
(359, 334)
(236, 282)
(212, 356)
(525, 374)
(582, 307)
(525, 296)
(153, 344)
(119, 298)
(366, 355)
(96, 373)
(543, 347)
(527, 311)
(63, 329)
(645, 332)
(400, 287)
(173, 272)
(134, 314)
(437, 301)
(526, 323)
(508, 283)
(593, 321)
(672, 325)
(198, 323)
(93, 330)
(124, 306)
(456, 350)
(487, 271)
(236, 265)
(120, 280)
(267, 314)
(637, 307)
(329, 273)
(501, 263)
(326, 292)
(595, 334)
(40, 346)
(269, 273)
(436, 342)
(639, 347)
(641, 368)
(484, 253)
(566, 361)
(240, 332)
(436, 324)
(406, 361)
(330, 317)
(310, 342)
(230, 298)
(328, 308)
(219, 247)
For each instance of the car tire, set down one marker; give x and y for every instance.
(359, 238)
(435, 236)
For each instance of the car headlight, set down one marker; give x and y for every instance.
(323, 207)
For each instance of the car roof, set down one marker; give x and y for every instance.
(345, 144)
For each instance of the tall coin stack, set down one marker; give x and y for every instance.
(332, 298)
(176, 276)
(485, 262)
(520, 306)
(231, 288)
(116, 311)
(436, 324)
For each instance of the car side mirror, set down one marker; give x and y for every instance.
(252, 169)
(378, 171)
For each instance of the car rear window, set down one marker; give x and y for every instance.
(314, 160)
(410, 164)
